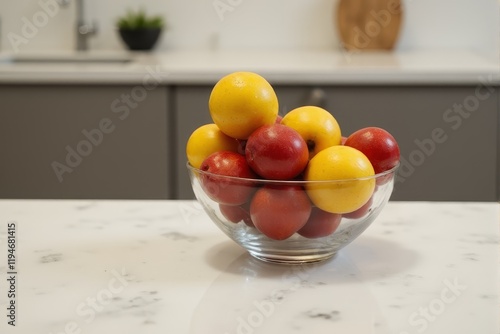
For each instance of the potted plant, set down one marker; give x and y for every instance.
(140, 31)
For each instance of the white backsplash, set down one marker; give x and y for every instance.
(263, 24)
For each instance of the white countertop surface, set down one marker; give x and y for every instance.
(163, 267)
(279, 67)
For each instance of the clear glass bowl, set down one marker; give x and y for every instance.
(297, 248)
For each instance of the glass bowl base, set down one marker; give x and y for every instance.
(290, 258)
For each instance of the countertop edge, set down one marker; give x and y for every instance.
(187, 78)
(279, 67)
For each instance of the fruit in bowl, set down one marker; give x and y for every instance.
(279, 223)
(288, 189)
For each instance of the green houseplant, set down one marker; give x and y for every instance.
(140, 31)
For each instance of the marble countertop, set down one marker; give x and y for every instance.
(162, 267)
(280, 67)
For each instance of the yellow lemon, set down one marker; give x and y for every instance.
(205, 140)
(241, 102)
(352, 172)
(318, 127)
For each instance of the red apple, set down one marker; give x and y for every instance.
(320, 224)
(280, 211)
(276, 152)
(278, 119)
(342, 140)
(222, 189)
(237, 213)
(378, 145)
(361, 212)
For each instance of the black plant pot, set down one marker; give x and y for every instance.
(140, 39)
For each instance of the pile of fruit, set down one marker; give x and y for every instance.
(249, 149)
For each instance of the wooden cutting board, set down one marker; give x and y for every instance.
(369, 24)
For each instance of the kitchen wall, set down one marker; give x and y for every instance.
(270, 24)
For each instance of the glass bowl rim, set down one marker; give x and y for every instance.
(290, 182)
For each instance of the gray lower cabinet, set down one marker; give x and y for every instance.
(191, 105)
(128, 142)
(76, 141)
(448, 135)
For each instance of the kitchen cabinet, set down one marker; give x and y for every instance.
(191, 105)
(120, 141)
(84, 141)
(448, 135)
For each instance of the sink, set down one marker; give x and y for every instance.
(65, 59)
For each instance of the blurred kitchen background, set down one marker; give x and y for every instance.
(277, 24)
(109, 123)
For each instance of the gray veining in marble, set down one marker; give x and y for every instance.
(162, 267)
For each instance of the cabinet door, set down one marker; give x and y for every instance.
(83, 142)
(447, 135)
(191, 104)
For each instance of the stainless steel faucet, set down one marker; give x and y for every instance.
(83, 29)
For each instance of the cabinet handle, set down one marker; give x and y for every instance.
(317, 97)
